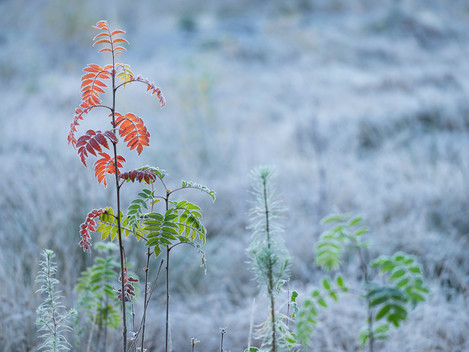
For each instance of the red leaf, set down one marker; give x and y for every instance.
(129, 290)
(112, 137)
(87, 226)
(91, 142)
(146, 174)
(154, 90)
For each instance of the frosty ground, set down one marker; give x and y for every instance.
(361, 109)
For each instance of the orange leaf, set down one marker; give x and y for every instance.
(106, 165)
(91, 83)
(101, 25)
(119, 40)
(97, 89)
(87, 76)
(86, 82)
(103, 34)
(107, 41)
(99, 83)
(133, 130)
(117, 32)
(96, 67)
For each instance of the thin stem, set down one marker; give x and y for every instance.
(180, 188)
(167, 278)
(130, 81)
(223, 332)
(119, 229)
(270, 264)
(364, 269)
(193, 342)
(145, 299)
(288, 305)
(179, 243)
(168, 192)
(133, 315)
(50, 287)
(167, 300)
(251, 323)
(105, 323)
(86, 110)
(93, 325)
(134, 342)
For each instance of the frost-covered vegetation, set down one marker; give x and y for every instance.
(361, 107)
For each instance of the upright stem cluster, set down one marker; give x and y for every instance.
(52, 318)
(267, 251)
(181, 222)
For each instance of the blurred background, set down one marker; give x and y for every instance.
(361, 106)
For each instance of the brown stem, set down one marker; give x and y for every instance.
(167, 281)
(134, 342)
(223, 332)
(167, 300)
(119, 227)
(145, 299)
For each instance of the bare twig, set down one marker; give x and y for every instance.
(223, 332)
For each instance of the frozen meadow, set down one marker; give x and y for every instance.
(361, 108)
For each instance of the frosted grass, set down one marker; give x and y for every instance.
(355, 118)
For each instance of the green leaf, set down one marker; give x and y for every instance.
(354, 221)
(399, 257)
(383, 311)
(322, 302)
(397, 274)
(341, 284)
(361, 231)
(334, 218)
(415, 270)
(379, 300)
(422, 289)
(402, 283)
(294, 296)
(415, 297)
